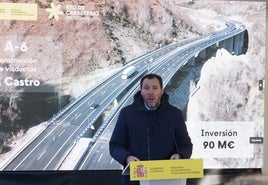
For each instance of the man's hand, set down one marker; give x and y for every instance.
(175, 156)
(131, 158)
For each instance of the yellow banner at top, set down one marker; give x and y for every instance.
(18, 11)
(166, 169)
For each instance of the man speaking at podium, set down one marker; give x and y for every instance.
(150, 128)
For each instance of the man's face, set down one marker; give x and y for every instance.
(151, 92)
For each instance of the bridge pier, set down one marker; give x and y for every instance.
(217, 45)
(202, 54)
(214, 46)
(233, 45)
(229, 44)
(191, 61)
(238, 43)
(221, 44)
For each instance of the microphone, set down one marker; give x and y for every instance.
(148, 144)
(174, 139)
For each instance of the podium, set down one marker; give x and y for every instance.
(164, 172)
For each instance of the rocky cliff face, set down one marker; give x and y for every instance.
(229, 84)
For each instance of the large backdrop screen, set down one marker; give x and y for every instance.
(68, 67)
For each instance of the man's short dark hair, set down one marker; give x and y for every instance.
(151, 76)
